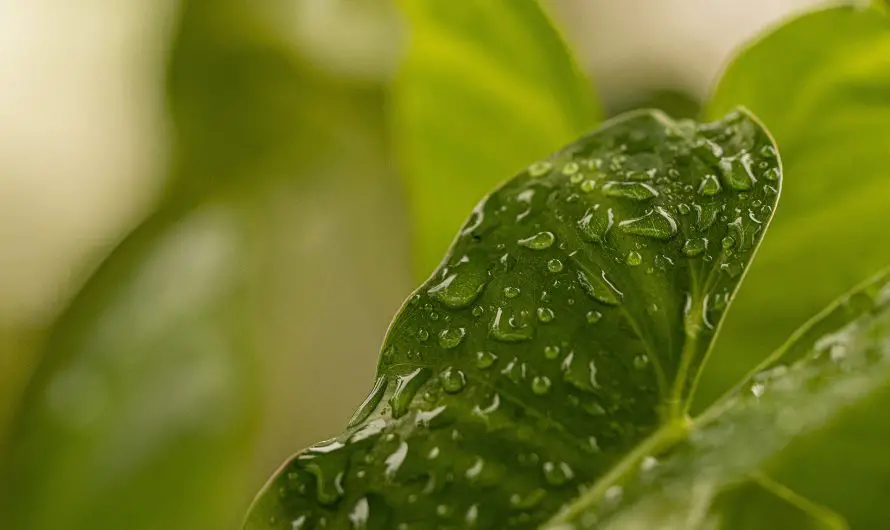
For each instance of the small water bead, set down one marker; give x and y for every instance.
(656, 224)
(451, 337)
(540, 241)
(485, 359)
(593, 317)
(554, 266)
(571, 168)
(476, 469)
(478, 311)
(539, 169)
(545, 314)
(636, 191)
(588, 186)
(641, 361)
(452, 380)
(527, 501)
(472, 515)
(727, 242)
(423, 335)
(434, 316)
(683, 208)
(771, 174)
(557, 474)
(511, 292)
(541, 385)
(613, 495)
(695, 246)
(633, 258)
(709, 186)
(551, 352)
(576, 178)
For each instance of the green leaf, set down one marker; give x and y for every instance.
(566, 326)
(821, 82)
(839, 359)
(145, 375)
(486, 88)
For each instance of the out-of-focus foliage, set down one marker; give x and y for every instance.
(485, 89)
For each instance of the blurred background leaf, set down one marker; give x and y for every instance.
(822, 84)
(484, 91)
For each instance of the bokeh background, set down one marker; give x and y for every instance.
(112, 111)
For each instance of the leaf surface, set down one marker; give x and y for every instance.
(485, 89)
(565, 327)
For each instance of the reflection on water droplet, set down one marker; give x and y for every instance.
(694, 247)
(359, 514)
(539, 241)
(511, 292)
(593, 317)
(461, 289)
(370, 403)
(738, 178)
(541, 385)
(545, 314)
(596, 223)
(709, 186)
(554, 265)
(394, 461)
(633, 258)
(570, 168)
(656, 224)
(727, 242)
(641, 361)
(484, 359)
(451, 337)
(539, 169)
(557, 474)
(511, 329)
(423, 335)
(768, 151)
(406, 388)
(587, 186)
(472, 515)
(637, 191)
(452, 380)
(600, 289)
(476, 469)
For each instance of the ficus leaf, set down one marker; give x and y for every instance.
(485, 87)
(563, 330)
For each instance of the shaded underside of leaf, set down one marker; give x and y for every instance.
(485, 89)
(564, 327)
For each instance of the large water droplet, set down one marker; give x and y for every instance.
(596, 223)
(452, 380)
(510, 329)
(600, 289)
(539, 241)
(656, 223)
(709, 186)
(637, 191)
(406, 388)
(738, 178)
(460, 289)
(451, 337)
(370, 403)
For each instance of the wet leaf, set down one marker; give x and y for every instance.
(838, 360)
(564, 328)
(485, 89)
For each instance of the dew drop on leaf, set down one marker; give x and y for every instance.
(452, 380)
(539, 241)
(600, 289)
(459, 290)
(541, 385)
(656, 224)
(596, 223)
(633, 258)
(636, 191)
(484, 359)
(450, 338)
(593, 317)
(370, 404)
(545, 315)
(557, 474)
(539, 169)
(554, 265)
(406, 388)
(510, 329)
(695, 246)
(551, 352)
(709, 186)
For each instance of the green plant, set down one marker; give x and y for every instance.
(544, 375)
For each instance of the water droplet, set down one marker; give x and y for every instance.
(633, 258)
(551, 352)
(478, 311)
(600, 290)
(359, 514)
(768, 151)
(587, 186)
(433, 454)
(694, 247)
(557, 474)
(727, 242)
(593, 444)
(758, 389)
(298, 523)
(472, 515)
(613, 495)
(527, 501)
(476, 469)
(656, 223)
(460, 289)
(484, 359)
(596, 223)
(406, 388)
(394, 461)
(452, 380)
(593, 317)
(545, 314)
(637, 191)
(515, 370)
(641, 361)
(444, 510)
(541, 385)
(581, 376)
(739, 179)
(570, 168)
(370, 404)
(683, 208)
(554, 265)
(510, 329)
(423, 335)
(511, 292)
(709, 186)
(576, 178)
(490, 408)
(539, 241)
(539, 169)
(451, 337)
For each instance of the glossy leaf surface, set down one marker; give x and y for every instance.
(485, 89)
(839, 359)
(565, 327)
